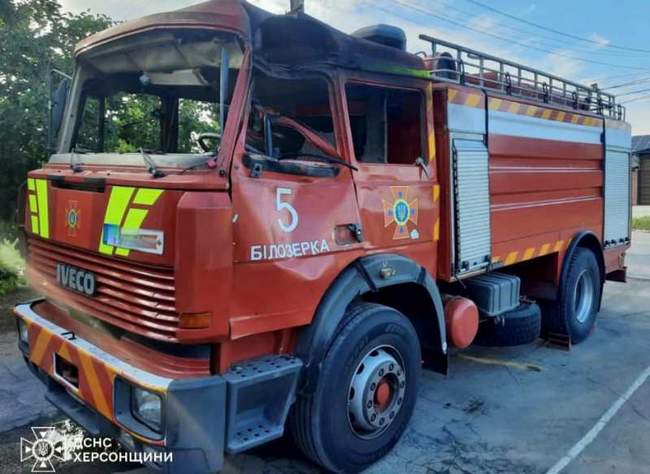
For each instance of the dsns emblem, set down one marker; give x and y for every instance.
(72, 214)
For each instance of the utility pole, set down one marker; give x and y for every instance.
(297, 6)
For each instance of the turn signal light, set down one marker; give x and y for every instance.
(195, 320)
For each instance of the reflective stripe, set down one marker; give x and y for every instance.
(35, 224)
(43, 216)
(143, 378)
(117, 204)
(33, 206)
(134, 220)
(147, 197)
(31, 185)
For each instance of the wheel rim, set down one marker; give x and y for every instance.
(376, 392)
(584, 296)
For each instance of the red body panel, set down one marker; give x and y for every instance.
(259, 252)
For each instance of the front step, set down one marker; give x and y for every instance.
(260, 393)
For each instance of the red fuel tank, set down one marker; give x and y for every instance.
(461, 317)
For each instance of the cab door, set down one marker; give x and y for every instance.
(391, 129)
(294, 213)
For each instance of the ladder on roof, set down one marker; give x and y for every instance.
(455, 63)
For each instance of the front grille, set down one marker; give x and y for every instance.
(137, 298)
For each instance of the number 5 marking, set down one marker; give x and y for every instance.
(280, 205)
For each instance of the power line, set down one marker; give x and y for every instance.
(562, 42)
(636, 99)
(552, 30)
(509, 40)
(633, 92)
(627, 84)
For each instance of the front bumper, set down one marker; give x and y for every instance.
(194, 410)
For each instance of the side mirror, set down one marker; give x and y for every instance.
(58, 100)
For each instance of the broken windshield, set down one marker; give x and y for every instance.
(164, 93)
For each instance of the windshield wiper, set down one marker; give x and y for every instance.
(153, 167)
(320, 158)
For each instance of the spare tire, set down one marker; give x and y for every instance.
(520, 326)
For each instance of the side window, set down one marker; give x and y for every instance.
(386, 124)
(303, 124)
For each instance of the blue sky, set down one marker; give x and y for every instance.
(608, 26)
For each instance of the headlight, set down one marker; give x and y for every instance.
(23, 333)
(147, 407)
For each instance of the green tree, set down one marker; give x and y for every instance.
(34, 36)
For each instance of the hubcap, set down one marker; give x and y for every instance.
(583, 297)
(376, 392)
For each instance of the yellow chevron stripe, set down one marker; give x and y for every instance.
(514, 108)
(94, 385)
(529, 253)
(451, 94)
(436, 193)
(436, 231)
(473, 100)
(511, 258)
(495, 104)
(559, 245)
(544, 250)
(547, 114)
(36, 352)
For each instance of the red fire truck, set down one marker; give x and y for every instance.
(346, 214)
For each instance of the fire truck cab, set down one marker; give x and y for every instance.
(345, 213)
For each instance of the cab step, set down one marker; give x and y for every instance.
(260, 393)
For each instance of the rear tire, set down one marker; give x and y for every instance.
(576, 311)
(365, 393)
(520, 326)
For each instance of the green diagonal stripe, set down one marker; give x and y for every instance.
(117, 204)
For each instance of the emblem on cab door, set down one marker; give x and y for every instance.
(72, 214)
(400, 211)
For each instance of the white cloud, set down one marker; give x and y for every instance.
(561, 65)
(601, 41)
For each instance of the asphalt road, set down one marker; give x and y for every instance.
(499, 411)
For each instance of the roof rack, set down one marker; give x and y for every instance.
(451, 62)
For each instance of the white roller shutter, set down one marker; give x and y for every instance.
(471, 205)
(617, 197)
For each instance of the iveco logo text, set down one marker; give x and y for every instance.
(76, 279)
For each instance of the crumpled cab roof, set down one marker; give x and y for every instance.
(312, 41)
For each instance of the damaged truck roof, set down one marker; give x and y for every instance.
(313, 43)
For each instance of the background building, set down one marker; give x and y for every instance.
(641, 170)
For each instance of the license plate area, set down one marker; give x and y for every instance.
(66, 372)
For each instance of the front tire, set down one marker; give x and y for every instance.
(365, 394)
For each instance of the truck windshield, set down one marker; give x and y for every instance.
(164, 93)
